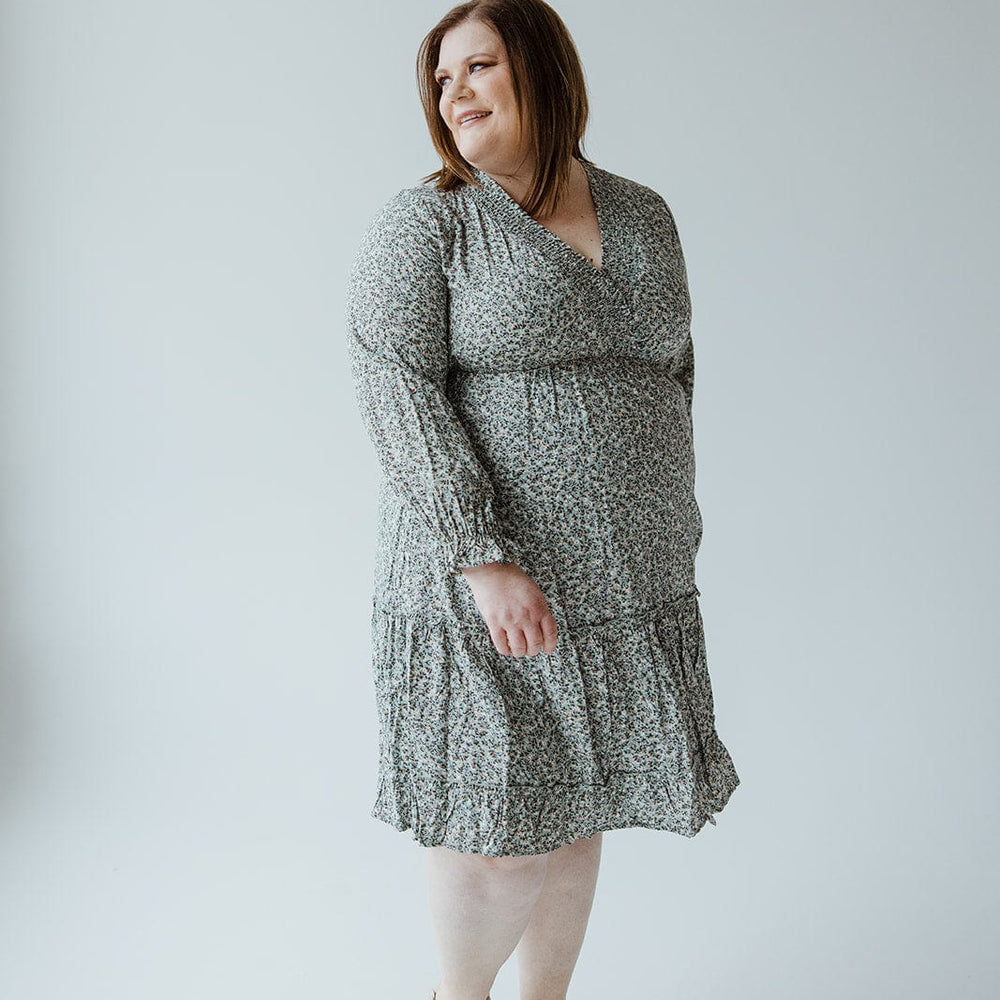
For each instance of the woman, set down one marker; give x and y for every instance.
(520, 344)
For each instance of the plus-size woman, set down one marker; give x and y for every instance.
(521, 349)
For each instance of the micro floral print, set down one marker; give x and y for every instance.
(529, 407)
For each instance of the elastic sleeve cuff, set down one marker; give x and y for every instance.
(486, 545)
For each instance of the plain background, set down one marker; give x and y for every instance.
(188, 722)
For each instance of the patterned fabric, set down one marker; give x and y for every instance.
(528, 407)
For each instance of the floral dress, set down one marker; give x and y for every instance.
(528, 407)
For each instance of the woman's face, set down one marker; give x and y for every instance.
(473, 74)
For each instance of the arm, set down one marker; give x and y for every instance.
(398, 345)
(683, 370)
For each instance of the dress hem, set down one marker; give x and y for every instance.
(628, 800)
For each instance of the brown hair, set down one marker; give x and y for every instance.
(549, 88)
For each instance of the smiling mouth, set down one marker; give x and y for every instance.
(472, 121)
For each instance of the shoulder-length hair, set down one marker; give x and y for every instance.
(549, 88)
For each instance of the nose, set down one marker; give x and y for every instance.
(459, 87)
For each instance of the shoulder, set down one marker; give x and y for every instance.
(406, 238)
(635, 198)
(418, 211)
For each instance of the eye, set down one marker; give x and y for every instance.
(441, 79)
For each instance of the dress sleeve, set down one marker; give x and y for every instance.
(397, 317)
(683, 370)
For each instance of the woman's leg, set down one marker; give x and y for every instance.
(480, 907)
(550, 946)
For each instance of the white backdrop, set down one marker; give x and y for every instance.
(188, 729)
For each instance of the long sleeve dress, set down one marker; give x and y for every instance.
(528, 407)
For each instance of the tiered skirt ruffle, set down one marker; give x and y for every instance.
(502, 755)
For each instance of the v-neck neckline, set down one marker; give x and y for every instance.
(514, 213)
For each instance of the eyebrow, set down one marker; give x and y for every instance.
(475, 55)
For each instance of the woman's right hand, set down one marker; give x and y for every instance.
(514, 608)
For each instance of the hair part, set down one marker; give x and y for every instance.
(549, 88)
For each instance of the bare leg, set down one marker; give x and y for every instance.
(550, 946)
(480, 907)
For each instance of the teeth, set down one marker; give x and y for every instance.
(473, 117)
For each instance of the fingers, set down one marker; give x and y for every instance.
(533, 639)
(514, 608)
(529, 640)
(499, 637)
(550, 632)
(518, 644)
